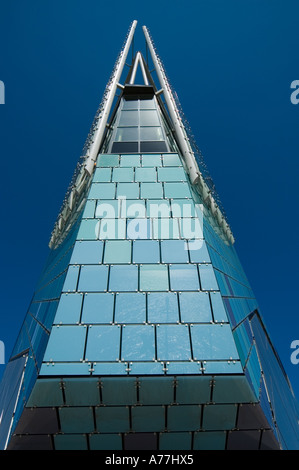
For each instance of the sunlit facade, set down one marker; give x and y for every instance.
(143, 331)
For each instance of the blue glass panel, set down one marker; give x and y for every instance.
(146, 251)
(139, 229)
(128, 190)
(151, 160)
(191, 228)
(144, 368)
(156, 390)
(65, 369)
(102, 175)
(87, 252)
(66, 343)
(133, 208)
(232, 390)
(222, 367)
(181, 368)
(154, 277)
(207, 277)
(112, 419)
(82, 392)
(199, 252)
(124, 175)
(219, 417)
(102, 191)
(138, 343)
(70, 283)
(76, 419)
(165, 229)
(171, 174)
(193, 390)
(173, 343)
(70, 442)
(109, 368)
(183, 277)
(129, 160)
(142, 421)
(219, 312)
(195, 307)
(174, 251)
(156, 208)
(213, 341)
(162, 307)
(105, 442)
(171, 160)
(93, 278)
(89, 230)
(184, 418)
(116, 391)
(123, 278)
(117, 251)
(89, 209)
(146, 175)
(130, 308)
(151, 190)
(103, 343)
(173, 441)
(109, 209)
(98, 308)
(183, 208)
(177, 190)
(107, 160)
(209, 440)
(114, 229)
(69, 308)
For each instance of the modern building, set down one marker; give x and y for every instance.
(143, 331)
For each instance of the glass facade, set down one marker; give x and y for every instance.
(143, 332)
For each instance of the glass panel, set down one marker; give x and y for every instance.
(219, 312)
(146, 251)
(89, 210)
(109, 209)
(183, 277)
(174, 441)
(149, 118)
(184, 418)
(105, 442)
(195, 307)
(129, 103)
(151, 133)
(123, 278)
(128, 190)
(128, 118)
(103, 343)
(139, 229)
(93, 278)
(207, 277)
(157, 208)
(102, 175)
(112, 229)
(171, 174)
(102, 191)
(105, 160)
(89, 229)
(173, 343)
(151, 160)
(117, 251)
(133, 209)
(151, 190)
(174, 251)
(124, 147)
(153, 146)
(165, 229)
(138, 343)
(171, 160)
(98, 308)
(146, 174)
(112, 419)
(125, 175)
(147, 103)
(69, 308)
(213, 342)
(144, 422)
(130, 308)
(200, 254)
(183, 208)
(126, 134)
(70, 283)
(87, 252)
(219, 417)
(177, 190)
(154, 278)
(130, 160)
(162, 307)
(66, 343)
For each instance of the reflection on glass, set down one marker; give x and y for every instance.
(126, 134)
(129, 118)
(149, 117)
(151, 133)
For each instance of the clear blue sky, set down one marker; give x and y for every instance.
(231, 63)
